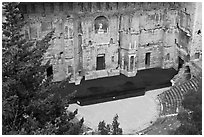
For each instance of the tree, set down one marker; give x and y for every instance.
(110, 129)
(115, 124)
(29, 102)
(103, 128)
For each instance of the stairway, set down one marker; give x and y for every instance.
(171, 99)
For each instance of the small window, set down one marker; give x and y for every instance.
(147, 59)
(197, 55)
(90, 43)
(111, 41)
(70, 69)
(68, 16)
(61, 54)
(187, 69)
(49, 71)
(167, 56)
(199, 32)
(112, 58)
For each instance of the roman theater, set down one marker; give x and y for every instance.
(122, 41)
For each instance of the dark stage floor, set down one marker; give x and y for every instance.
(104, 89)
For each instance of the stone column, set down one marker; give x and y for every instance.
(134, 63)
(122, 63)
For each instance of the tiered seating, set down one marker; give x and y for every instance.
(171, 99)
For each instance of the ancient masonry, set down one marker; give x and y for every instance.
(95, 40)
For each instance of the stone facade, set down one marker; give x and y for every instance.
(95, 40)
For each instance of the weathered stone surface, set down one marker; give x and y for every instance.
(105, 39)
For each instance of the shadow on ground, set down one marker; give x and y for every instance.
(118, 87)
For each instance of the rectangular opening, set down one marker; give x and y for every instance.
(180, 63)
(100, 64)
(197, 55)
(147, 59)
(49, 71)
(70, 69)
(131, 63)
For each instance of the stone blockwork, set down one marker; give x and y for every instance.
(95, 40)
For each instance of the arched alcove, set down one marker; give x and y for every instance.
(101, 25)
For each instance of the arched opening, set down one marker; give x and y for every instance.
(111, 41)
(199, 32)
(101, 25)
(167, 56)
(90, 43)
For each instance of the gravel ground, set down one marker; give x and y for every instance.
(134, 113)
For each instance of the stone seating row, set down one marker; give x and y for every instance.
(171, 100)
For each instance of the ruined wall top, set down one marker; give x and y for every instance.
(93, 7)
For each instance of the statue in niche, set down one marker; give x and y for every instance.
(101, 25)
(100, 29)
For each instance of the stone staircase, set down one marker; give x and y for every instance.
(171, 99)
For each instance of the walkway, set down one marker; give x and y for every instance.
(134, 113)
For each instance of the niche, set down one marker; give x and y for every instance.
(111, 41)
(101, 25)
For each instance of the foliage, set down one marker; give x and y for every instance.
(103, 128)
(110, 129)
(191, 119)
(29, 102)
(115, 125)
